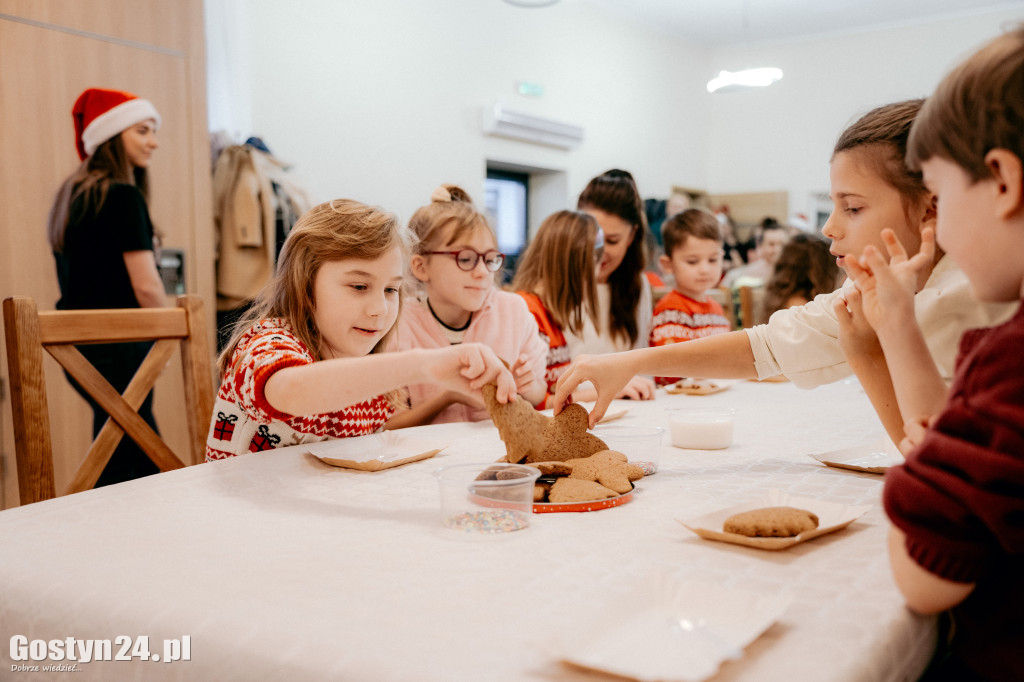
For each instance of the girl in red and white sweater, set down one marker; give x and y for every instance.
(305, 363)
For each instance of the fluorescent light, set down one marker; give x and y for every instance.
(750, 78)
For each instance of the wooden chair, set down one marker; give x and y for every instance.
(29, 331)
(751, 305)
(723, 295)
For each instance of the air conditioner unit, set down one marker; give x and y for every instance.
(519, 126)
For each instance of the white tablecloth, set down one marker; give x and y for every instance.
(280, 567)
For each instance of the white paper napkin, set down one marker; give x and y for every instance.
(669, 630)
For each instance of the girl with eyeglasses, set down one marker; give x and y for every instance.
(455, 264)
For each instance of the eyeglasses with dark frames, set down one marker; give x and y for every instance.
(467, 259)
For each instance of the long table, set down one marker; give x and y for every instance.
(276, 566)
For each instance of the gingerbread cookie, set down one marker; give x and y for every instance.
(771, 522)
(552, 468)
(609, 468)
(530, 436)
(577, 490)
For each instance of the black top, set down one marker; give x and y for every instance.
(91, 269)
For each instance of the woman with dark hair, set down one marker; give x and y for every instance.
(104, 244)
(624, 301)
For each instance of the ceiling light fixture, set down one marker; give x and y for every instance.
(729, 81)
(532, 3)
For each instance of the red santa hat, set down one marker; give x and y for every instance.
(100, 115)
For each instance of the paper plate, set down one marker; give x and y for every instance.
(373, 452)
(777, 379)
(832, 516)
(663, 629)
(873, 459)
(697, 387)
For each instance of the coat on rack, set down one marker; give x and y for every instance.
(255, 202)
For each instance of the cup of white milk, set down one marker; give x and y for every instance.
(701, 428)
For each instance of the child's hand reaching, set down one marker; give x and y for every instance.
(638, 388)
(466, 367)
(523, 374)
(609, 374)
(887, 289)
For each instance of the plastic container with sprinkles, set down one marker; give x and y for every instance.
(486, 498)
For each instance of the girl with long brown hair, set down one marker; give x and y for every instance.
(556, 278)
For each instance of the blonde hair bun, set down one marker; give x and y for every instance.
(450, 193)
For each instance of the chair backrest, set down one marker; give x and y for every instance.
(723, 295)
(29, 331)
(751, 305)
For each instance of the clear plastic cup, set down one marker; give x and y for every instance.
(701, 428)
(486, 498)
(641, 444)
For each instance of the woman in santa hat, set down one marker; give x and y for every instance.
(104, 243)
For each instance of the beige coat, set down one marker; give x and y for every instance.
(245, 210)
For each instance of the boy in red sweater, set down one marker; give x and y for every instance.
(693, 254)
(957, 505)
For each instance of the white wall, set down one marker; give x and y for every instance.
(379, 100)
(781, 138)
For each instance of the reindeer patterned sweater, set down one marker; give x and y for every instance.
(243, 421)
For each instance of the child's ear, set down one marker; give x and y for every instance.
(1008, 174)
(931, 213)
(418, 267)
(666, 264)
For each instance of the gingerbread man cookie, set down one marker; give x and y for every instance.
(530, 436)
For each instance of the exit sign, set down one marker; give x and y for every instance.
(528, 89)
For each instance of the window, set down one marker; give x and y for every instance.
(506, 203)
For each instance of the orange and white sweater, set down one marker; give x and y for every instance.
(551, 334)
(680, 318)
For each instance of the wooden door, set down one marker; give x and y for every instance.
(50, 51)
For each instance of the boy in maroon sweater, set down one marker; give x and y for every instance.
(957, 505)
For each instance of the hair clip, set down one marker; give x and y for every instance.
(441, 194)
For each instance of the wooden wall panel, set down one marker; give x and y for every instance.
(149, 23)
(50, 51)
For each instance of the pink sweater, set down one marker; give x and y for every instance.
(504, 323)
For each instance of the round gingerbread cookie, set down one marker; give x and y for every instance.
(771, 522)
